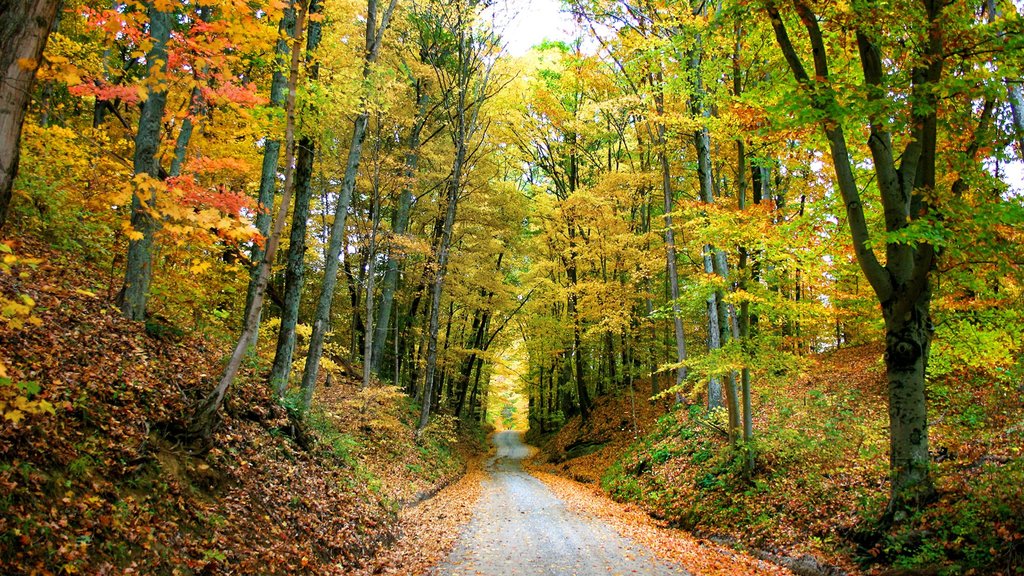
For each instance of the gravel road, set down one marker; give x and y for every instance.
(520, 527)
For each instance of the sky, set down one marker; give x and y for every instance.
(525, 23)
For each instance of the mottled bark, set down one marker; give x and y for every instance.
(295, 269)
(398, 227)
(139, 268)
(902, 284)
(205, 416)
(271, 148)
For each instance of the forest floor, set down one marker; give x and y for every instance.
(94, 477)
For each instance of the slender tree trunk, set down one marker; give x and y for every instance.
(271, 149)
(744, 253)
(139, 268)
(399, 226)
(195, 103)
(332, 265)
(205, 416)
(438, 282)
(371, 273)
(24, 28)
(295, 269)
(670, 242)
(374, 34)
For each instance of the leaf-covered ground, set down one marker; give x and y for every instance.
(822, 468)
(103, 486)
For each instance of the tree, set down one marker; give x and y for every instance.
(295, 269)
(376, 25)
(272, 147)
(463, 73)
(902, 82)
(148, 173)
(204, 419)
(24, 27)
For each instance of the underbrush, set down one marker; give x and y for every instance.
(93, 478)
(821, 480)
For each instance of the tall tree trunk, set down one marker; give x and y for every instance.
(195, 104)
(399, 226)
(139, 269)
(271, 149)
(371, 272)
(437, 284)
(24, 27)
(714, 259)
(374, 35)
(196, 108)
(204, 419)
(295, 270)
(744, 253)
(463, 118)
(582, 393)
(479, 329)
(670, 243)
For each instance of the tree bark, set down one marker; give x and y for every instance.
(438, 282)
(902, 285)
(670, 242)
(204, 419)
(399, 226)
(295, 270)
(371, 272)
(271, 149)
(139, 268)
(24, 28)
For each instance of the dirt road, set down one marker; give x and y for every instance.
(521, 527)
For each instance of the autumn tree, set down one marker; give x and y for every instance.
(902, 76)
(148, 172)
(463, 70)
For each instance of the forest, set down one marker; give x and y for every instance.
(753, 266)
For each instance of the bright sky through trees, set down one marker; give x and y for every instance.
(525, 23)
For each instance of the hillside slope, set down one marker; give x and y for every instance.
(102, 484)
(822, 472)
